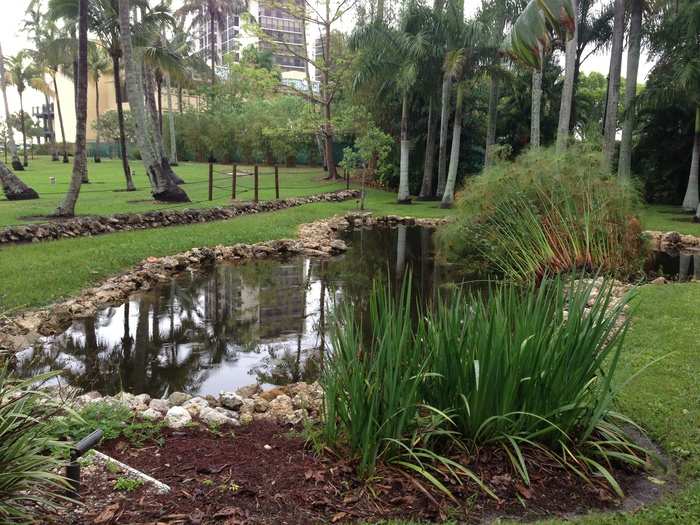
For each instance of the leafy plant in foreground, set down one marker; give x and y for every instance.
(533, 368)
(31, 458)
(528, 369)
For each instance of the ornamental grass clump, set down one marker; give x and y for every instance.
(530, 370)
(32, 459)
(548, 213)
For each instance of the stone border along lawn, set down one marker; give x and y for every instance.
(102, 224)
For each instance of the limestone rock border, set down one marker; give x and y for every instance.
(101, 224)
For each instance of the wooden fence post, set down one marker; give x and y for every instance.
(255, 171)
(211, 180)
(277, 182)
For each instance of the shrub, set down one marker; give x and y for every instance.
(525, 368)
(548, 213)
(31, 459)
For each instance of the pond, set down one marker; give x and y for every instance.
(680, 266)
(235, 324)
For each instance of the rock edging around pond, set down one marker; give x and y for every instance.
(672, 241)
(286, 405)
(317, 239)
(101, 224)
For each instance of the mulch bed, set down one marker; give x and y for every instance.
(264, 474)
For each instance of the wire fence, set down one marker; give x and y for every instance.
(228, 183)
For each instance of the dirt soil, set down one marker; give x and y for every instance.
(264, 474)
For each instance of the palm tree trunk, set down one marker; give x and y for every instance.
(152, 111)
(624, 167)
(444, 121)
(426, 189)
(120, 119)
(404, 195)
(16, 163)
(67, 207)
(171, 123)
(60, 118)
(610, 130)
(97, 120)
(162, 186)
(691, 194)
(401, 235)
(536, 110)
(567, 92)
(212, 43)
(159, 88)
(13, 188)
(491, 120)
(448, 196)
(24, 131)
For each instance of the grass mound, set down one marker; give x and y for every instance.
(548, 213)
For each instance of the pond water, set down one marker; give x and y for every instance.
(236, 324)
(674, 265)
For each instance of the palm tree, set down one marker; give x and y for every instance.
(536, 108)
(67, 207)
(21, 72)
(104, 22)
(610, 129)
(163, 186)
(16, 163)
(215, 13)
(530, 36)
(624, 167)
(499, 21)
(673, 41)
(98, 64)
(391, 59)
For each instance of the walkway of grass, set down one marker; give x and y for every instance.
(104, 194)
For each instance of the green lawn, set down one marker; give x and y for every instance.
(104, 194)
(663, 217)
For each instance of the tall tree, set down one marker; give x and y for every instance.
(530, 37)
(104, 22)
(67, 207)
(610, 130)
(16, 163)
(536, 109)
(12, 186)
(499, 17)
(163, 186)
(21, 72)
(98, 65)
(624, 167)
(212, 13)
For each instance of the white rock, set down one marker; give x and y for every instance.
(246, 418)
(195, 405)
(151, 414)
(177, 417)
(230, 400)
(214, 418)
(261, 405)
(178, 398)
(227, 412)
(161, 405)
(143, 399)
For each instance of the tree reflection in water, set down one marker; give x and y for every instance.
(262, 321)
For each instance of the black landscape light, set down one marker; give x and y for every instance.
(73, 469)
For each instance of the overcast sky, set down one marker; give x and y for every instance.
(12, 13)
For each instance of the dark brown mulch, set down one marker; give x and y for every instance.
(232, 478)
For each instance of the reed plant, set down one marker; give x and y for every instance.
(528, 369)
(549, 213)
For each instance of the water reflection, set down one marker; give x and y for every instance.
(262, 321)
(675, 265)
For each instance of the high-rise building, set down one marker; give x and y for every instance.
(285, 32)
